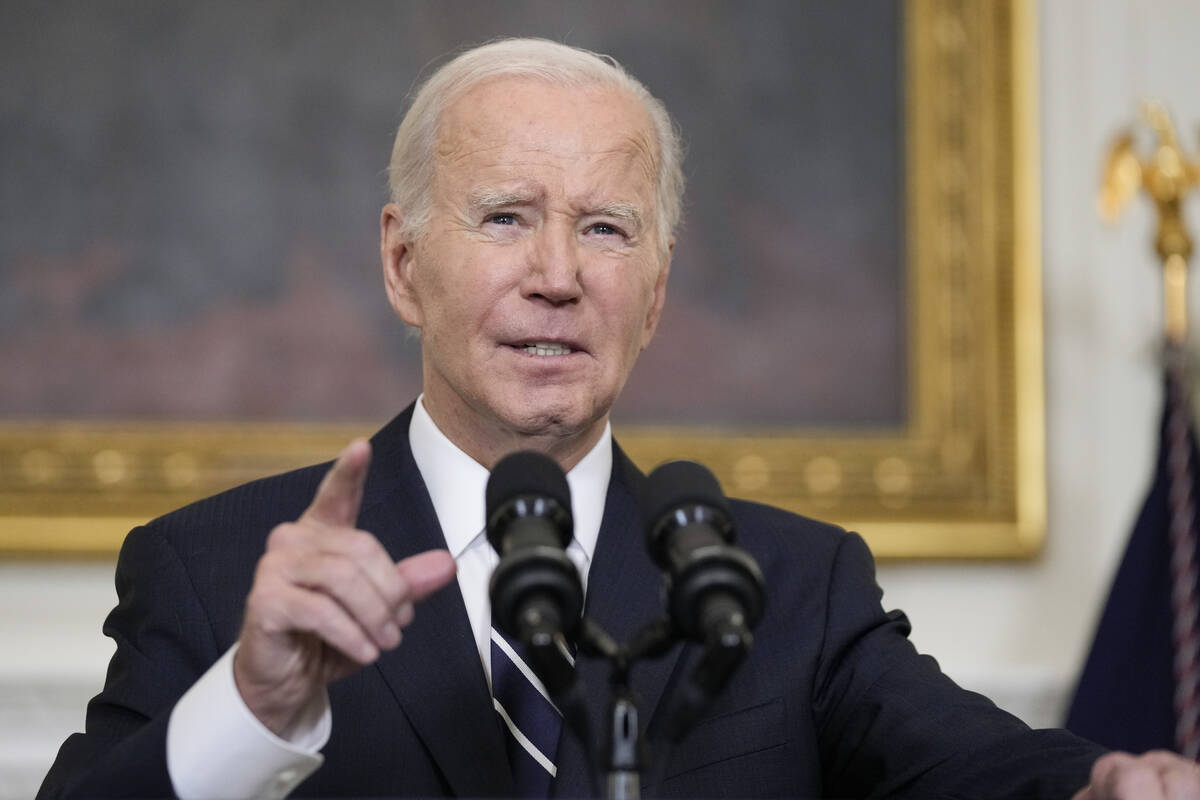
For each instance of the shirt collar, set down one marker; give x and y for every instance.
(456, 484)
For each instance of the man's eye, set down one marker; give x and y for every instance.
(503, 219)
(604, 229)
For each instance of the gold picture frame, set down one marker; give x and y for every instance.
(964, 477)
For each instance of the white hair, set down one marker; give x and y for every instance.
(410, 172)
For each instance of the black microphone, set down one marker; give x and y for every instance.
(712, 584)
(715, 590)
(535, 590)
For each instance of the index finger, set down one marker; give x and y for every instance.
(339, 496)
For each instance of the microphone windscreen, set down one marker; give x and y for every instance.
(527, 473)
(680, 483)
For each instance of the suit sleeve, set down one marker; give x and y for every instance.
(164, 642)
(892, 725)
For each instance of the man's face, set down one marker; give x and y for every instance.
(540, 277)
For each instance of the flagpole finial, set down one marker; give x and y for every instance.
(1167, 175)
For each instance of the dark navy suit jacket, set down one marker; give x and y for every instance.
(833, 701)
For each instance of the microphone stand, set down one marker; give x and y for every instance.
(623, 753)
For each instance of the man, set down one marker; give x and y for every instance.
(535, 192)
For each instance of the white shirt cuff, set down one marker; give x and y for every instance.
(217, 748)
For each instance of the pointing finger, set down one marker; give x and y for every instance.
(340, 494)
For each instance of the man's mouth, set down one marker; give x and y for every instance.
(546, 349)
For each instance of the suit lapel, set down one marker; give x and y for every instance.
(435, 674)
(623, 595)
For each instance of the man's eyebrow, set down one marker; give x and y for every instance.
(626, 211)
(486, 197)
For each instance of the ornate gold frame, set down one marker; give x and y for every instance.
(963, 478)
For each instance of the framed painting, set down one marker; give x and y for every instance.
(190, 296)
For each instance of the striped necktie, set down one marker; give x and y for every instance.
(531, 722)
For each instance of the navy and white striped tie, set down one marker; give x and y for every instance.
(531, 722)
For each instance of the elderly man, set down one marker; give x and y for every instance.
(535, 191)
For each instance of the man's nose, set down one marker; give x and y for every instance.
(554, 266)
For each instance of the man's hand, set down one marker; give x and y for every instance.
(326, 600)
(1157, 775)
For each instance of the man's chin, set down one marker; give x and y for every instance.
(548, 426)
(552, 421)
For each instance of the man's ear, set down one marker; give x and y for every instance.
(660, 296)
(398, 259)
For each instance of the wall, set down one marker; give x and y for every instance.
(1019, 632)
(1014, 631)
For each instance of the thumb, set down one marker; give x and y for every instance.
(426, 572)
(340, 494)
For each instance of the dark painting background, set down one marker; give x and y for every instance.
(189, 199)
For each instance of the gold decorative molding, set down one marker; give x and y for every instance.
(964, 477)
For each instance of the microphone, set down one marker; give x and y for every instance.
(535, 591)
(713, 587)
(715, 591)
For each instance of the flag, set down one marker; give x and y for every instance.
(1138, 689)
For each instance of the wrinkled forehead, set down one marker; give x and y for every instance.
(515, 121)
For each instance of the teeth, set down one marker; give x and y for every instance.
(547, 349)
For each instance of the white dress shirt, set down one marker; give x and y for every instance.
(217, 748)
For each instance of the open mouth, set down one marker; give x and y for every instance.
(546, 349)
